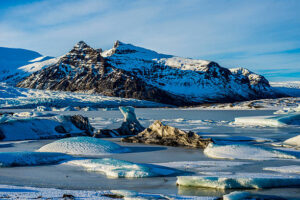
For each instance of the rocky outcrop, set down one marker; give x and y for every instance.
(161, 134)
(130, 125)
(134, 72)
(82, 123)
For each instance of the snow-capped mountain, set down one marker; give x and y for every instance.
(134, 72)
(16, 64)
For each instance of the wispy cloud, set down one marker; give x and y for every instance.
(254, 34)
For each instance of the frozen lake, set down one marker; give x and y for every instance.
(214, 123)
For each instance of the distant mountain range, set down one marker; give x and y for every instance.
(134, 72)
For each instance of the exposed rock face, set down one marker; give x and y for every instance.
(158, 133)
(82, 123)
(130, 125)
(133, 72)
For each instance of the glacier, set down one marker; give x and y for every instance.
(235, 182)
(242, 151)
(84, 146)
(114, 168)
(13, 97)
(27, 158)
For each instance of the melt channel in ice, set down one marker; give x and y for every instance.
(250, 152)
(84, 146)
(27, 158)
(114, 168)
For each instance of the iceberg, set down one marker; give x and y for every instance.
(237, 182)
(114, 168)
(274, 120)
(27, 158)
(83, 146)
(241, 151)
(294, 141)
(32, 125)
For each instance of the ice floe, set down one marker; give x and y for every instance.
(250, 152)
(114, 168)
(234, 182)
(294, 141)
(285, 169)
(26, 158)
(273, 120)
(84, 146)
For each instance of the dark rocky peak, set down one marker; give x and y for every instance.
(81, 45)
(80, 53)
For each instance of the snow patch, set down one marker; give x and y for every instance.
(84, 146)
(250, 152)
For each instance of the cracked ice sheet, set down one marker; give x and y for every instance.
(17, 192)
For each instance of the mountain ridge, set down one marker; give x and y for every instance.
(135, 72)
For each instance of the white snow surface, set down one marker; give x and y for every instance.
(238, 182)
(12, 97)
(182, 76)
(34, 125)
(294, 141)
(18, 192)
(250, 152)
(26, 158)
(16, 64)
(285, 169)
(83, 146)
(114, 168)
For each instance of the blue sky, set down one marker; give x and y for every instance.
(261, 35)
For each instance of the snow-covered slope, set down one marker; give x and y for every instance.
(16, 64)
(135, 72)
